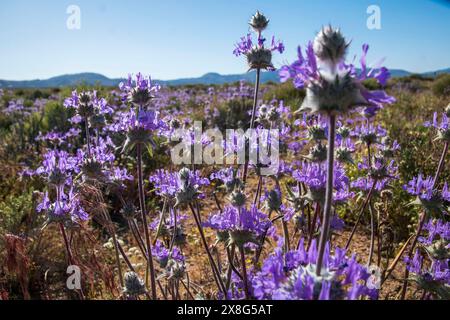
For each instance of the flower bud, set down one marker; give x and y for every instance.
(238, 198)
(379, 169)
(185, 195)
(260, 58)
(273, 114)
(318, 153)
(85, 107)
(333, 94)
(263, 110)
(368, 138)
(317, 133)
(129, 211)
(233, 184)
(222, 236)
(241, 238)
(175, 124)
(344, 155)
(57, 177)
(137, 136)
(258, 22)
(330, 45)
(344, 132)
(273, 200)
(140, 96)
(175, 270)
(184, 175)
(92, 170)
(84, 98)
(180, 237)
(444, 134)
(439, 250)
(134, 286)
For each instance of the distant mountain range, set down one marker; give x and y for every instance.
(71, 80)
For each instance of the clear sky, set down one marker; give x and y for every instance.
(187, 38)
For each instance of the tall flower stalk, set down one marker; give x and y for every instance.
(328, 193)
(142, 123)
(332, 88)
(259, 57)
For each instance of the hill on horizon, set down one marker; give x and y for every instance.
(211, 78)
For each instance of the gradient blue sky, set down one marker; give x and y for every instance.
(187, 38)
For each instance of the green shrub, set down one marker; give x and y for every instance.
(56, 117)
(371, 84)
(441, 86)
(15, 210)
(286, 92)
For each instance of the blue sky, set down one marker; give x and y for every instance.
(187, 38)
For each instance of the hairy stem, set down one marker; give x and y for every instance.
(372, 235)
(328, 193)
(150, 266)
(358, 219)
(88, 136)
(244, 273)
(112, 232)
(214, 268)
(70, 259)
(252, 121)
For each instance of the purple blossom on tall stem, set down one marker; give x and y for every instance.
(332, 88)
(140, 92)
(90, 108)
(259, 58)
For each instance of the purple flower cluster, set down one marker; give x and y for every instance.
(443, 126)
(259, 56)
(232, 219)
(292, 276)
(422, 187)
(435, 229)
(67, 206)
(163, 254)
(167, 184)
(308, 71)
(314, 176)
(245, 45)
(434, 278)
(139, 91)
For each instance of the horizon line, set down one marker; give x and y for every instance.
(182, 77)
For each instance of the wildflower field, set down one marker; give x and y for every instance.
(111, 193)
